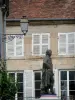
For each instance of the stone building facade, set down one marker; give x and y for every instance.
(48, 29)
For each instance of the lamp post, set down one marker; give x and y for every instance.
(24, 25)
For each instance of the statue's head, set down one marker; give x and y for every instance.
(49, 52)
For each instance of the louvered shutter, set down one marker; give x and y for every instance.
(71, 44)
(36, 44)
(19, 46)
(10, 46)
(62, 43)
(45, 43)
(29, 83)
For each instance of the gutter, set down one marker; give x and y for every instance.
(43, 19)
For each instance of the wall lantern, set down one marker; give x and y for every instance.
(24, 24)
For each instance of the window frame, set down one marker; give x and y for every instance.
(15, 45)
(16, 95)
(66, 52)
(40, 34)
(40, 72)
(67, 80)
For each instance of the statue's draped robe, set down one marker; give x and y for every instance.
(47, 72)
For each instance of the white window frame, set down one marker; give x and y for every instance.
(40, 34)
(67, 81)
(16, 80)
(38, 80)
(66, 53)
(15, 55)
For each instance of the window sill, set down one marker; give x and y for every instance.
(15, 58)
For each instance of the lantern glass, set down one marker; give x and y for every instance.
(24, 25)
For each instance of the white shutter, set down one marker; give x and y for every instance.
(45, 42)
(10, 47)
(19, 46)
(36, 44)
(62, 40)
(55, 71)
(29, 83)
(71, 38)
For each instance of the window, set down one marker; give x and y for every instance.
(15, 46)
(66, 43)
(37, 82)
(17, 77)
(67, 84)
(40, 43)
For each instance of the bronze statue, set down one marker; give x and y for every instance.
(47, 74)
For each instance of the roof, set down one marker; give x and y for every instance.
(42, 9)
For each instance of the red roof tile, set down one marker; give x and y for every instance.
(42, 8)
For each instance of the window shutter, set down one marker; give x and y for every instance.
(62, 43)
(45, 43)
(36, 44)
(71, 38)
(10, 47)
(19, 46)
(29, 83)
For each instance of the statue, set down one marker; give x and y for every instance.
(47, 81)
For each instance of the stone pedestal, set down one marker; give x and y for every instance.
(51, 97)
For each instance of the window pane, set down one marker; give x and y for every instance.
(45, 39)
(62, 48)
(64, 93)
(72, 93)
(20, 96)
(37, 85)
(36, 39)
(70, 48)
(19, 77)
(12, 77)
(63, 75)
(62, 38)
(36, 49)
(37, 76)
(37, 93)
(63, 85)
(71, 75)
(20, 87)
(71, 38)
(44, 48)
(72, 85)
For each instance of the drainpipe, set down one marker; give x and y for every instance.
(1, 31)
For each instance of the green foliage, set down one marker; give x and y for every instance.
(7, 88)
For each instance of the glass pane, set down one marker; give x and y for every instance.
(63, 85)
(63, 75)
(37, 76)
(37, 85)
(19, 77)
(12, 77)
(44, 48)
(71, 38)
(71, 85)
(37, 93)
(20, 96)
(20, 87)
(71, 75)
(70, 48)
(64, 93)
(72, 93)
(36, 39)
